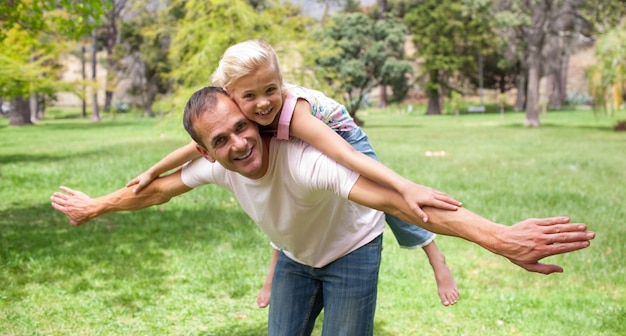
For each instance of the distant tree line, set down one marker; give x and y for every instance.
(165, 48)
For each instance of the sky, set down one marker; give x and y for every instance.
(315, 9)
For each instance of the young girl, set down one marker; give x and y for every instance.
(250, 73)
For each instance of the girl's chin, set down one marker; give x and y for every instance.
(263, 120)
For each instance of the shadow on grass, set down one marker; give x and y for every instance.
(83, 154)
(87, 125)
(549, 125)
(39, 248)
(118, 256)
(392, 126)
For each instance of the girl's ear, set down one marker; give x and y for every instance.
(205, 154)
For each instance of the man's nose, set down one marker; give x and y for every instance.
(238, 142)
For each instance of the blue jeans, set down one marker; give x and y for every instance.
(346, 289)
(407, 235)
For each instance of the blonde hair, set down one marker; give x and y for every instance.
(242, 59)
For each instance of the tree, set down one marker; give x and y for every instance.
(607, 78)
(364, 54)
(28, 67)
(207, 28)
(142, 58)
(448, 35)
(544, 33)
(71, 18)
(110, 26)
(41, 25)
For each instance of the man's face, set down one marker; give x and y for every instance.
(231, 139)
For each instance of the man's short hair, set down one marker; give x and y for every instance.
(202, 101)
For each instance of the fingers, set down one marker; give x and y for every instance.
(445, 205)
(443, 197)
(418, 211)
(140, 186)
(566, 228)
(58, 206)
(561, 248)
(549, 221)
(449, 200)
(541, 268)
(67, 190)
(569, 233)
(132, 182)
(58, 198)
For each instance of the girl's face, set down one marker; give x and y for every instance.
(259, 95)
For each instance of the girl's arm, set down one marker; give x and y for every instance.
(173, 160)
(316, 133)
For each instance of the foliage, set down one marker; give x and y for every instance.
(194, 266)
(28, 64)
(364, 54)
(143, 54)
(607, 77)
(72, 18)
(207, 28)
(448, 35)
(601, 16)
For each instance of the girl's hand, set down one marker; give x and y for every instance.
(141, 181)
(418, 196)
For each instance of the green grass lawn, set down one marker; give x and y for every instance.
(194, 266)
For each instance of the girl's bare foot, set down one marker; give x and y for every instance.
(263, 300)
(446, 286)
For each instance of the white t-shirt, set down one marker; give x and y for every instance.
(301, 203)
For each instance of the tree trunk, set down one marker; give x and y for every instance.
(150, 96)
(520, 100)
(84, 77)
(110, 45)
(434, 102)
(532, 91)
(383, 97)
(96, 114)
(563, 77)
(19, 114)
(432, 92)
(554, 100)
(383, 6)
(33, 107)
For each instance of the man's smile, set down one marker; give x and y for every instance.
(245, 156)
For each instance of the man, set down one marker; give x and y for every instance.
(307, 205)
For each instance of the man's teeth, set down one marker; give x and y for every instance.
(245, 156)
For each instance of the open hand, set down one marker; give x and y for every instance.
(531, 240)
(73, 203)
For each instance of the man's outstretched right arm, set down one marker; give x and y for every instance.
(81, 208)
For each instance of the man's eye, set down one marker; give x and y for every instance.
(218, 142)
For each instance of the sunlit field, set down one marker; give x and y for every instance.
(194, 266)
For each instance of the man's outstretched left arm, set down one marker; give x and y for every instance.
(524, 243)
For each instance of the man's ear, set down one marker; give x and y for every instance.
(204, 153)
